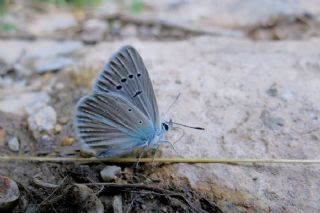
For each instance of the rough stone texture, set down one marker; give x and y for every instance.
(13, 144)
(84, 198)
(58, 21)
(94, 30)
(256, 100)
(22, 103)
(43, 120)
(9, 194)
(232, 13)
(54, 64)
(117, 204)
(109, 173)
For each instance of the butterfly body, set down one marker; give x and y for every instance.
(122, 113)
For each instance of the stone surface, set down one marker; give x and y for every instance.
(9, 194)
(20, 104)
(84, 198)
(42, 121)
(208, 14)
(13, 144)
(51, 49)
(52, 64)
(117, 204)
(58, 21)
(109, 173)
(256, 100)
(94, 30)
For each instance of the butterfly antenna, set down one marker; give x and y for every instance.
(173, 103)
(192, 127)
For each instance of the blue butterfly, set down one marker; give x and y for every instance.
(122, 113)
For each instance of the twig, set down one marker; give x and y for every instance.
(158, 160)
(152, 189)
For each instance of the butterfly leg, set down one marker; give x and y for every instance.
(140, 156)
(168, 142)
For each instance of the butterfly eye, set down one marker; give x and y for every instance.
(165, 126)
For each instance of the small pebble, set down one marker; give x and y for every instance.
(63, 120)
(84, 198)
(117, 204)
(109, 173)
(57, 129)
(43, 120)
(9, 194)
(67, 141)
(14, 144)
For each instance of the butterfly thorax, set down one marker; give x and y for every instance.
(160, 136)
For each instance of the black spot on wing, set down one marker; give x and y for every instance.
(137, 93)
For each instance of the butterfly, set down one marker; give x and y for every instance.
(122, 113)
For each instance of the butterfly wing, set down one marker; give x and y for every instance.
(111, 125)
(126, 75)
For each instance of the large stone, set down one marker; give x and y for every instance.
(210, 14)
(9, 194)
(52, 64)
(94, 30)
(51, 49)
(255, 100)
(21, 103)
(58, 21)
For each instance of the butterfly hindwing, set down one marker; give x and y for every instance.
(126, 75)
(111, 125)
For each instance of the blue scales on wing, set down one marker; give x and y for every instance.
(111, 125)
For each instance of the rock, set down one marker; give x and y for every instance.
(57, 20)
(224, 83)
(20, 104)
(51, 49)
(63, 120)
(109, 173)
(13, 144)
(57, 129)
(107, 9)
(67, 141)
(84, 198)
(94, 31)
(52, 64)
(11, 50)
(34, 108)
(208, 15)
(117, 204)
(129, 30)
(42, 121)
(9, 194)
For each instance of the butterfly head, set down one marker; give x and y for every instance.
(166, 126)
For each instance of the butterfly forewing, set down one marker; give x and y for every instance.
(111, 125)
(126, 75)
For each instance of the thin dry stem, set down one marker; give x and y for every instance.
(158, 160)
